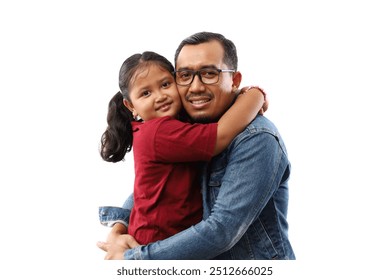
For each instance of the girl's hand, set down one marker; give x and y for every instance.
(264, 108)
(265, 104)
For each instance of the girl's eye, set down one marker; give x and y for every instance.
(166, 84)
(145, 93)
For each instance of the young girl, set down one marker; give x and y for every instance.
(167, 152)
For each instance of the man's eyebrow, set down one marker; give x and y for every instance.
(202, 67)
(182, 68)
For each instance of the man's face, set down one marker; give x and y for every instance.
(206, 103)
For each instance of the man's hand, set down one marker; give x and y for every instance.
(116, 248)
(118, 241)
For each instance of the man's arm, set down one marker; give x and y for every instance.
(245, 190)
(111, 215)
(118, 218)
(129, 202)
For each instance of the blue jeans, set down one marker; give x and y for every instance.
(245, 200)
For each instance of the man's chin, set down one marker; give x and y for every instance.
(201, 119)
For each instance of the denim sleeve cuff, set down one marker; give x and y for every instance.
(133, 254)
(110, 215)
(112, 223)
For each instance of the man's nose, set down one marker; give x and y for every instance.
(197, 84)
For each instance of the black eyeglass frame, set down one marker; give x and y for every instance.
(197, 73)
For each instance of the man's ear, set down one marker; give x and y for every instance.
(236, 82)
(237, 79)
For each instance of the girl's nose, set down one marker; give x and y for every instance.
(161, 97)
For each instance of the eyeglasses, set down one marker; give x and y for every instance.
(208, 76)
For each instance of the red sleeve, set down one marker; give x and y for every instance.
(176, 141)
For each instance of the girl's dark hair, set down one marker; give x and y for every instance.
(230, 57)
(117, 140)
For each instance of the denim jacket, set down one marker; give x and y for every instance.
(245, 200)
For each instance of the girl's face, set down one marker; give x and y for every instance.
(153, 94)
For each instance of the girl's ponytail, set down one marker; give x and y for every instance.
(117, 140)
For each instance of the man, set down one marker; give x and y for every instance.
(245, 188)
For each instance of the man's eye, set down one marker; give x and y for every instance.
(184, 75)
(209, 73)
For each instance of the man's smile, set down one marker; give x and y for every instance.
(199, 101)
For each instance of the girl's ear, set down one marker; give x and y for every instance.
(128, 105)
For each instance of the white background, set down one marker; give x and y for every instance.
(324, 64)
